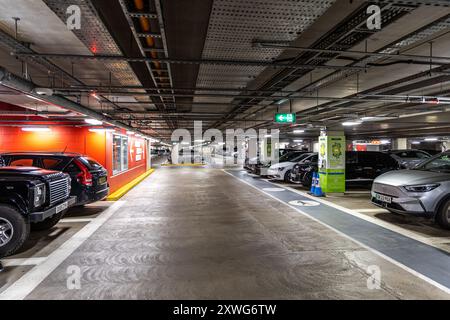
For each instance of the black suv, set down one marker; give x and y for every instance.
(361, 167)
(89, 178)
(30, 197)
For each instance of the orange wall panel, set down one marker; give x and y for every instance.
(79, 140)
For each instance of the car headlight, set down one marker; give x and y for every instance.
(39, 195)
(422, 187)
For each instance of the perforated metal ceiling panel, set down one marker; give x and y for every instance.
(94, 34)
(235, 24)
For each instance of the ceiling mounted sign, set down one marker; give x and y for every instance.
(285, 118)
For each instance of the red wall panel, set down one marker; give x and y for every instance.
(79, 140)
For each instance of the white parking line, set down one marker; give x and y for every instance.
(374, 210)
(30, 280)
(381, 223)
(398, 264)
(22, 262)
(75, 220)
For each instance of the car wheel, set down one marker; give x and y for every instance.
(287, 176)
(307, 180)
(443, 216)
(47, 223)
(14, 230)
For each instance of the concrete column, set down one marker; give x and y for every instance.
(400, 143)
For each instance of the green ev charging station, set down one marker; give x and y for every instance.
(332, 147)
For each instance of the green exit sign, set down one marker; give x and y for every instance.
(285, 118)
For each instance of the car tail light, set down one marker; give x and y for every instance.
(84, 177)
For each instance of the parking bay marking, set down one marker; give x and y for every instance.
(23, 261)
(432, 269)
(274, 189)
(20, 289)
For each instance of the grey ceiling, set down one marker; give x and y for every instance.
(211, 46)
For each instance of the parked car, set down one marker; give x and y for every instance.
(282, 169)
(421, 191)
(302, 171)
(186, 156)
(431, 151)
(30, 198)
(408, 158)
(361, 168)
(89, 178)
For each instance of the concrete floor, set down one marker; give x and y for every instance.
(194, 233)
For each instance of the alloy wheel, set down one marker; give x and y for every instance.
(6, 232)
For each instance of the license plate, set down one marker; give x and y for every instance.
(102, 180)
(383, 198)
(62, 207)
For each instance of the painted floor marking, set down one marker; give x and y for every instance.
(304, 203)
(274, 189)
(76, 220)
(18, 262)
(20, 289)
(414, 272)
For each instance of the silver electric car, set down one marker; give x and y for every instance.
(422, 191)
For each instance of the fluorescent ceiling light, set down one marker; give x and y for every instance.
(298, 131)
(377, 118)
(298, 140)
(368, 118)
(36, 129)
(185, 143)
(282, 101)
(44, 91)
(415, 142)
(101, 130)
(431, 139)
(268, 136)
(199, 140)
(94, 122)
(385, 141)
(94, 94)
(351, 123)
(131, 133)
(34, 98)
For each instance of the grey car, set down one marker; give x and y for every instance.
(422, 191)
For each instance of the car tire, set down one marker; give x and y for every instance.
(443, 215)
(307, 180)
(15, 227)
(47, 223)
(287, 176)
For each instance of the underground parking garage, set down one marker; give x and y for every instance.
(237, 150)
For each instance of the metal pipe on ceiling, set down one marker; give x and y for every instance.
(186, 61)
(10, 80)
(239, 90)
(371, 98)
(38, 113)
(274, 45)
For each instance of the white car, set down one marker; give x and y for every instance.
(282, 169)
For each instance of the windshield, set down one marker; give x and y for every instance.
(289, 156)
(412, 154)
(302, 157)
(440, 163)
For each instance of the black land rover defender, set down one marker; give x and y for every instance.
(30, 198)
